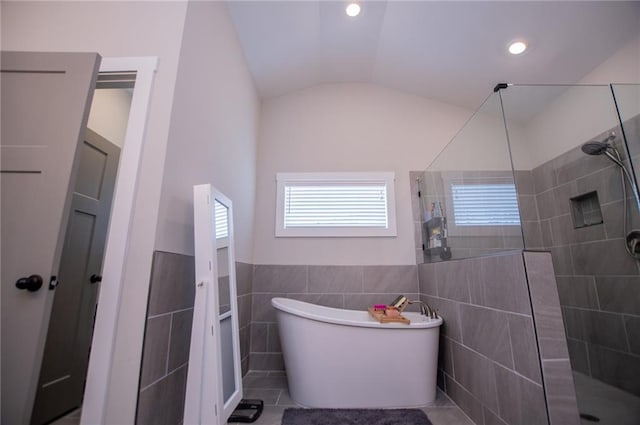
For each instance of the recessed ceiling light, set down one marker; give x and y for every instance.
(517, 47)
(353, 9)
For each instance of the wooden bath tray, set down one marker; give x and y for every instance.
(383, 318)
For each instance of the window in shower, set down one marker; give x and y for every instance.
(335, 205)
(485, 204)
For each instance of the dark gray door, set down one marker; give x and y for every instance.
(45, 99)
(66, 354)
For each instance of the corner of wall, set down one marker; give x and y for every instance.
(623, 66)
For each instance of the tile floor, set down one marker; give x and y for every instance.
(272, 388)
(609, 404)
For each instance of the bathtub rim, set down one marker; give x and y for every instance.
(360, 317)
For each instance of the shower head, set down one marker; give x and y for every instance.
(595, 148)
(599, 147)
(602, 148)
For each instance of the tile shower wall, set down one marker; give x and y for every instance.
(351, 287)
(168, 335)
(598, 283)
(489, 362)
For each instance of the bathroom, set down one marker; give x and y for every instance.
(357, 273)
(347, 126)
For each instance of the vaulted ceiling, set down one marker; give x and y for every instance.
(453, 51)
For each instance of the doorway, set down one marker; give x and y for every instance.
(66, 354)
(40, 71)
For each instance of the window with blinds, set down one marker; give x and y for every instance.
(335, 204)
(485, 205)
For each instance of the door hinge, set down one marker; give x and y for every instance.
(419, 194)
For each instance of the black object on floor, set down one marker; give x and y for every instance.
(590, 418)
(247, 411)
(298, 416)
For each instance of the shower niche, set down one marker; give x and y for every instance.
(585, 210)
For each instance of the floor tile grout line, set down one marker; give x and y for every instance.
(278, 408)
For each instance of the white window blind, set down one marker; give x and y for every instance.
(222, 223)
(335, 204)
(485, 205)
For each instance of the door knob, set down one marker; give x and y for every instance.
(31, 283)
(95, 278)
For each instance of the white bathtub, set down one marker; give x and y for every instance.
(344, 359)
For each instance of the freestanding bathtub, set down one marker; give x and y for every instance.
(344, 359)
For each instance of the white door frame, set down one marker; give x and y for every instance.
(115, 257)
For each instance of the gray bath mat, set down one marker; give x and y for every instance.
(297, 416)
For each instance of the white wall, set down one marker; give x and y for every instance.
(622, 66)
(347, 127)
(116, 29)
(213, 131)
(110, 114)
(581, 113)
(481, 145)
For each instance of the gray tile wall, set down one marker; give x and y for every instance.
(350, 287)
(244, 287)
(598, 283)
(489, 363)
(485, 365)
(165, 355)
(168, 335)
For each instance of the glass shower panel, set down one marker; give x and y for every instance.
(468, 204)
(562, 191)
(628, 102)
(627, 98)
(567, 147)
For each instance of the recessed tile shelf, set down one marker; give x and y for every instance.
(585, 210)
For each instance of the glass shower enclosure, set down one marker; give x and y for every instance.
(554, 168)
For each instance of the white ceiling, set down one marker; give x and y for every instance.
(451, 51)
